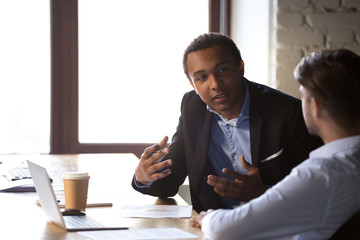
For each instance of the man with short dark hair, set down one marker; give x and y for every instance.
(321, 193)
(226, 116)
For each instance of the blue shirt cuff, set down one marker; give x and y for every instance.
(140, 185)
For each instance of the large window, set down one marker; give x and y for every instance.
(24, 76)
(130, 67)
(65, 71)
(114, 35)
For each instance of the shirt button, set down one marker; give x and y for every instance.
(230, 127)
(236, 157)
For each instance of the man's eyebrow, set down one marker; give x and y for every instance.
(197, 72)
(221, 63)
(217, 65)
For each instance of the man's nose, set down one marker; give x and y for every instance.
(216, 82)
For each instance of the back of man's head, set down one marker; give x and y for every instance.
(208, 40)
(332, 77)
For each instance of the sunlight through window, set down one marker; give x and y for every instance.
(130, 67)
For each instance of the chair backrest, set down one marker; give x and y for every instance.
(350, 230)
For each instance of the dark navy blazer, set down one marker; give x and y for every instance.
(278, 135)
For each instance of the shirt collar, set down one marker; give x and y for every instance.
(336, 146)
(244, 114)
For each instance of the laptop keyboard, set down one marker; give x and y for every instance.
(17, 173)
(81, 222)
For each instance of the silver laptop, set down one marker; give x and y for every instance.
(51, 207)
(15, 177)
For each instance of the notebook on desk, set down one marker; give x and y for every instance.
(15, 177)
(51, 207)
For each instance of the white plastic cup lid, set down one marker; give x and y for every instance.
(76, 175)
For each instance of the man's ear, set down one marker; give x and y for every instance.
(316, 107)
(241, 68)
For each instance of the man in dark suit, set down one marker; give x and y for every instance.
(225, 119)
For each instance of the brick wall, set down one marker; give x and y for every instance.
(304, 26)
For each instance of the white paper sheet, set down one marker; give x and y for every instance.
(140, 234)
(155, 211)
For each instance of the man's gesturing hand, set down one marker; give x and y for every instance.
(148, 169)
(243, 188)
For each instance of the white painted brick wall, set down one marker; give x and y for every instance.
(352, 3)
(304, 26)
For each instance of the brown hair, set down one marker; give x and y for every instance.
(333, 78)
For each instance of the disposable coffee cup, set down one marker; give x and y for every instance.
(76, 190)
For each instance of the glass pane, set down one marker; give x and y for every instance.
(24, 76)
(252, 44)
(130, 67)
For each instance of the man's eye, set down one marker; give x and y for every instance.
(201, 78)
(221, 70)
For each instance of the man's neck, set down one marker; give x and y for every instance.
(333, 132)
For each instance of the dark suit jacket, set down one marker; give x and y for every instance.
(276, 126)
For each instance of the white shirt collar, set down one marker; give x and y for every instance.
(333, 147)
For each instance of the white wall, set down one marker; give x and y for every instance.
(304, 26)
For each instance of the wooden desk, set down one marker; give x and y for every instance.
(110, 178)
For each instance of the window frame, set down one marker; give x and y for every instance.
(64, 126)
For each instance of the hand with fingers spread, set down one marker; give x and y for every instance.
(243, 188)
(150, 165)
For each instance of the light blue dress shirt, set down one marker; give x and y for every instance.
(312, 202)
(229, 140)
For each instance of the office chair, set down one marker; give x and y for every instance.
(350, 230)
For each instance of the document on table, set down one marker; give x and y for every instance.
(140, 234)
(155, 211)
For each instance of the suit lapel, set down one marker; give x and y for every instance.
(255, 122)
(202, 143)
(208, 198)
(255, 136)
